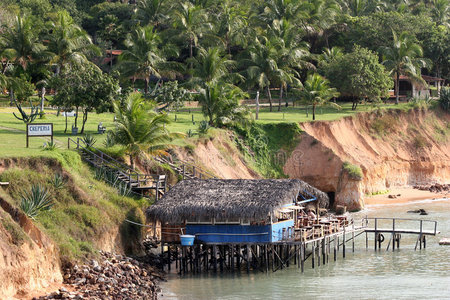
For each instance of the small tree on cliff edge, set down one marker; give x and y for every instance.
(139, 128)
(316, 92)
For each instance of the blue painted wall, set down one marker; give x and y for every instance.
(238, 233)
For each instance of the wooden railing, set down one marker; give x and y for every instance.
(186, 169)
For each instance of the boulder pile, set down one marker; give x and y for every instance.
(112, 277)
(434, 188)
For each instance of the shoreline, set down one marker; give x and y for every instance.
(404, 195)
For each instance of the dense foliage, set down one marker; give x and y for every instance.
(226, 47)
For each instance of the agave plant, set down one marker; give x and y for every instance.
(58, 181)
(35, 201)
(444, 99)
(50, 146)
(123, 188)
(203, 127)
(109, 141)
(89, 140)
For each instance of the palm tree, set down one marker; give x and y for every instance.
(211, 66)
(261, 66)
(231, 24)
(139, 128)
(67, 42)
(151, 12)
(220, 103)
(190, 24)
(317, 91)
(143, 56)
(441, 12)
(404, 58)
(20, 43)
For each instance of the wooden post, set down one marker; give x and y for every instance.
(221, 257)
(335, 247)
(319, 244)
(238, 252)
(214, 257)
(168, 260)
(248, 258)
(232, 257)
(353, 236)
(393, 234)
(420, 236)
(376, 233)
(302, 256)
(313, 254)
(343, 243)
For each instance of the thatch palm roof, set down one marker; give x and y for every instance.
(229, 198)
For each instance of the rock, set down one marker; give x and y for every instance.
(392, 196)
(340, 210)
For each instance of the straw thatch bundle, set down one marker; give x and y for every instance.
(229, 198)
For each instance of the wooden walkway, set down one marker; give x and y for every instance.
(289, 251)
(139, 184)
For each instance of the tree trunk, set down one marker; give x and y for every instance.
(314, 112)
(42, 99)
(147, 80)
(281, 97)
(11, 97)
(257, 105)
(65, 129)
(132, 162)
(397, 87)
(191, 51)
(76, 116)
(85, 116)
(270, 97)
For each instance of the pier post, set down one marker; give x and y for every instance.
(214, 257)
(302, 255)
(221, 257)
(266, 258)
(376, 236)
(248, 258)
(168, 257)
(324, 255)
(335, 240)
(238, 252)
(353, 236)
(420, 236)
(343, 243)
(272, 247)
(319, 244)
(232, 257)
(313, 254)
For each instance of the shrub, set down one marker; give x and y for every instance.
(50, 146)
(57, 181)
(203, 127)
(353, 171)
(89, 140)
(420, 142)
(35, 201)
(444, 99)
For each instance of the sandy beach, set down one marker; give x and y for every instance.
(404, 195)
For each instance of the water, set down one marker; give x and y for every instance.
(364, 274)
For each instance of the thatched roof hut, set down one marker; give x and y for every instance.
(229, 198)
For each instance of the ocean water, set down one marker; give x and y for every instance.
(364, 274)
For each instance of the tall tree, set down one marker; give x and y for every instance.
(190, 23)
(139, 128)
(21, 43)
(260, 65)
(151, 12)
(317, 91)
(404, 57)
(143, 57)
(67, 42)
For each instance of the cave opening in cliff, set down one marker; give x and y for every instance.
(332, 196)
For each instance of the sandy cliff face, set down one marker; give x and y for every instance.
(29, 260)
(393, 148)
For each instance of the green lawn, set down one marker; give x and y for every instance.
(12, 131)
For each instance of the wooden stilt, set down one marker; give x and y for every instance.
(302, 256)
(343, 243)
(232, 257)
(335, 247)
(214, 257)
(248, 258)
(168, 258)
(313, 254)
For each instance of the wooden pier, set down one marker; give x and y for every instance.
(265, 257)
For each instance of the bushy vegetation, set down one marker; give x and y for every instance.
(444, 99)
(35, 201)
(267, 146)
(84, 208)
(353, 171)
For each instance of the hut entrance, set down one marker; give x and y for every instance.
(332, 196)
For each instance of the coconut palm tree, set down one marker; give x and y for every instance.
(260, 66)
(67, 42)
(220, 103)
(441, 12)
(404, 57)
(317, 91)
(190, 24)
(21, 44)
(211, 66)
(143, 57)
(139, 128)
(151, 12)
(231, 25)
